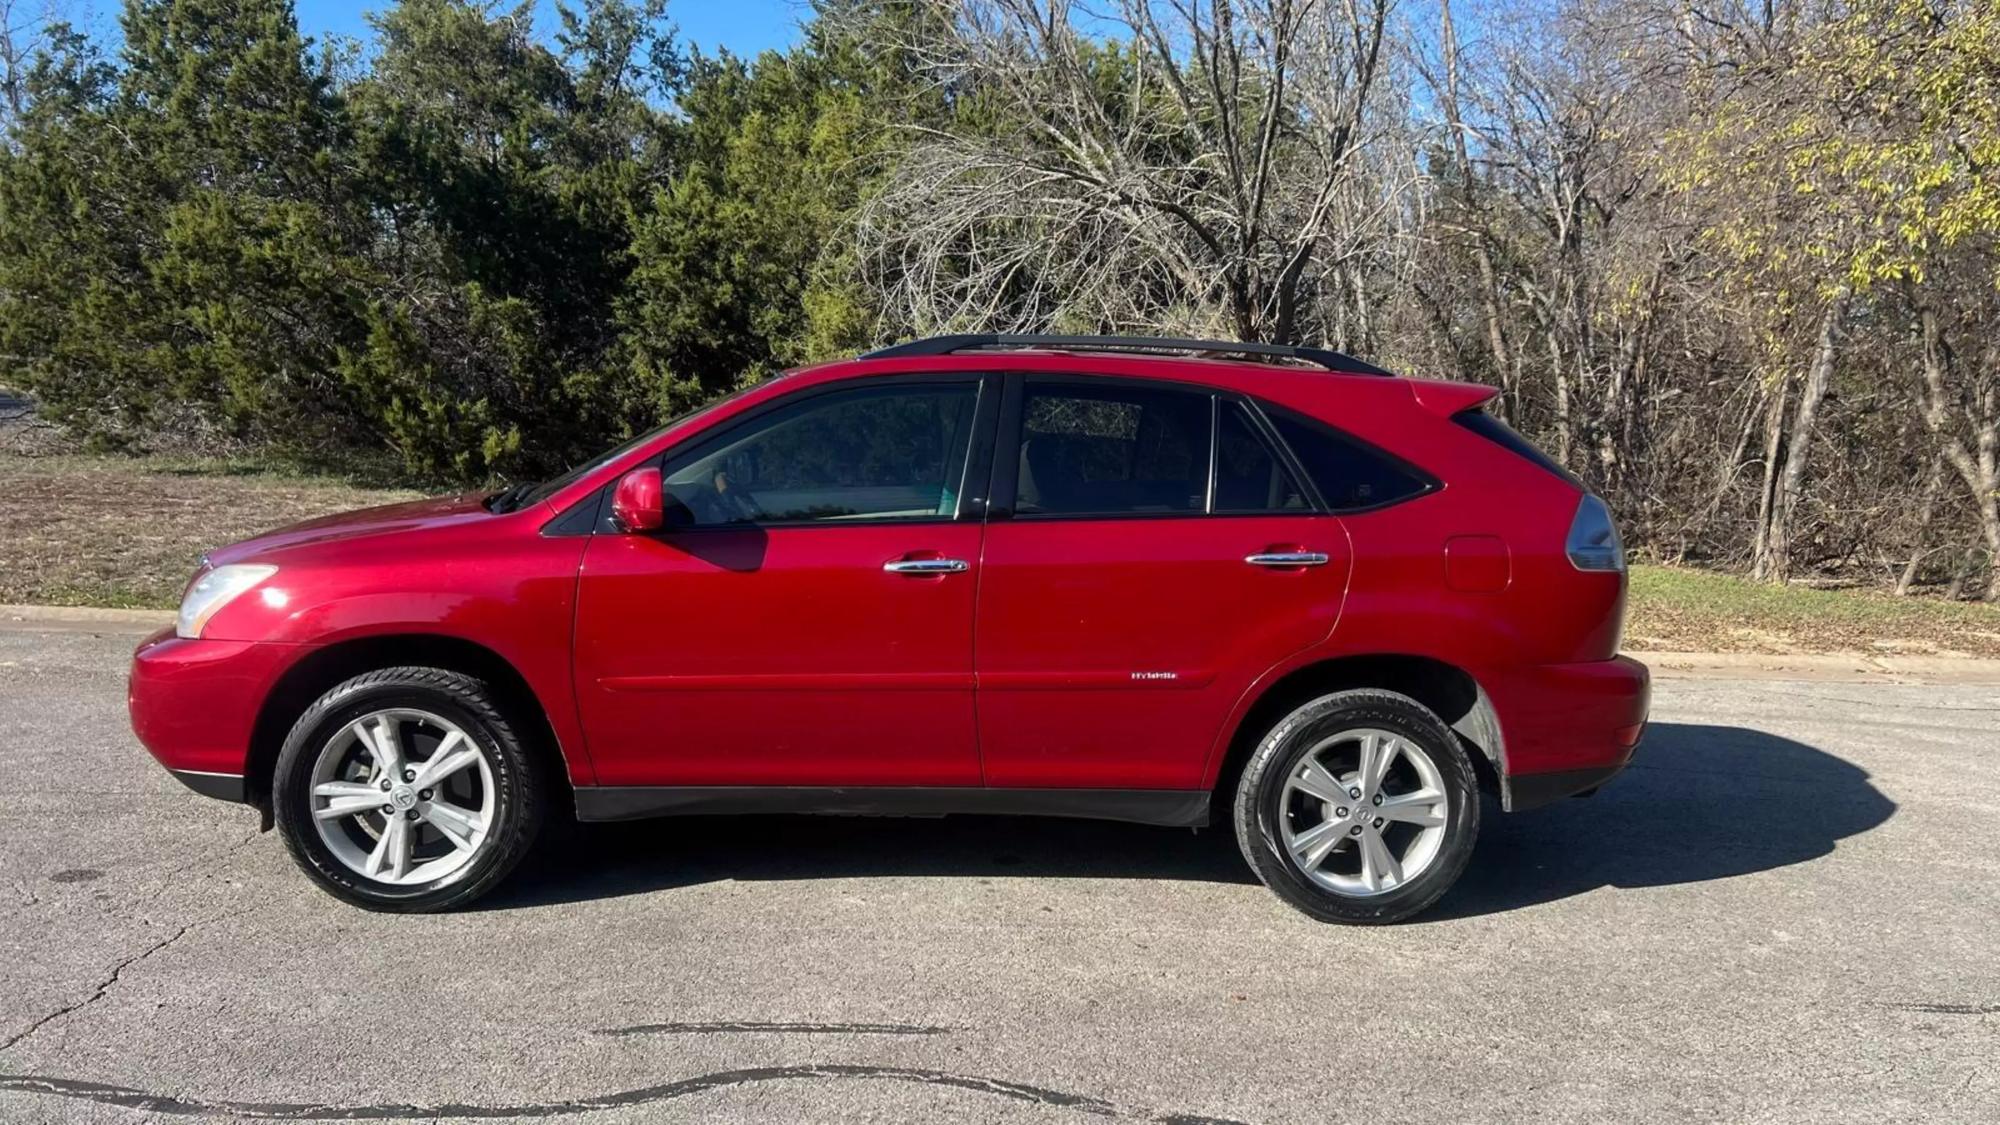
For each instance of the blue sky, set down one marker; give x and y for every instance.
(744, 26)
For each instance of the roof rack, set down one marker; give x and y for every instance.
(948, 345)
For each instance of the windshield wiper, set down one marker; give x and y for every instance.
(509, 498)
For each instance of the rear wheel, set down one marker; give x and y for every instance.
(407, 789)
(1360, 806)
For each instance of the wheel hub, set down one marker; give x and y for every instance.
(403, 797)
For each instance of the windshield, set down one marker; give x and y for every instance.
(548, 488)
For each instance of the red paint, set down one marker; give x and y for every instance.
(1070, 652)
(781, 656)
(1088, 604)
(638, 503)
(1477, 564)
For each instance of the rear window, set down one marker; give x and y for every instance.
(1350, 476)
(1503, 435)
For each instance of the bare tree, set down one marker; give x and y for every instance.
(1229, 165)
(23, 32)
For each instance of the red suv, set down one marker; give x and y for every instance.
(1072, 576)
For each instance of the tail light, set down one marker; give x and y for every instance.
(1593, 538)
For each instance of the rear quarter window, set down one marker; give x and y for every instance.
(1350, 475)
(1505, 436)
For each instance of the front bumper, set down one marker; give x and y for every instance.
(194, 705)
(1568, 728)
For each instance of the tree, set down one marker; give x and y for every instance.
(1204, 166)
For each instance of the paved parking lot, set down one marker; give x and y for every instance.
(1790, 910)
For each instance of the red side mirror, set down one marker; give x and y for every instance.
(637, 504)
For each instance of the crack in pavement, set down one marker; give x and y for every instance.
(98, 993)
(104, 986)
(128, 1098)
(1950, 1009)
(748, 1026)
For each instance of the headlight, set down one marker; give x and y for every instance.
(214, 590)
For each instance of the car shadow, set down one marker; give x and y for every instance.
(1698, 803)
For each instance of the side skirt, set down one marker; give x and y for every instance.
(1174, 808)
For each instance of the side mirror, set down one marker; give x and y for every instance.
(638, 503)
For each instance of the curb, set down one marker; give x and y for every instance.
(82, 619)
(1838, 667)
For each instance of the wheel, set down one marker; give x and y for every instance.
(407, 790)
(1358, 807)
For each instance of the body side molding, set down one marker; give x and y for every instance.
(1174, 808)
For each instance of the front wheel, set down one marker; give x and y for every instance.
(407, 789)
(1358, 807)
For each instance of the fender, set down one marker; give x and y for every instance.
(526, 622)
(1471, 639)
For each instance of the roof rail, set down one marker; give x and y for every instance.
(947, 345)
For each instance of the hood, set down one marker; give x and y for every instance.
(410, 515)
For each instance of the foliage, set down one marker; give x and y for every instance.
(487, 252)
(1737, 267)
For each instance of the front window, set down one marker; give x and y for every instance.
(879, 453)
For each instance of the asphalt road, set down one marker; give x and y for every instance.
(1788, 911)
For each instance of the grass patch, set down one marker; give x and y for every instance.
(1672, 608)
(127, 531)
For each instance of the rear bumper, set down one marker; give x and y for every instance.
(194, 704)
(1568, 728)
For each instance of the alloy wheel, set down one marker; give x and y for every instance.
(1364, 812)
(403, 796)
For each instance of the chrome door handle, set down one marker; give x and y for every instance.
(1288, 558)
(926, 566)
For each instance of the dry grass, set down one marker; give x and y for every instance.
(106, 531)
(1676, 609)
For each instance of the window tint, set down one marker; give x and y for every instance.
(1348, 474)
(1249, 477)
(878, 453)
(1090, 450)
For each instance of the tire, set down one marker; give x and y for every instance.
(458, 837)
(1284, 819)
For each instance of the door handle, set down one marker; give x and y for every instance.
(926, 566)
(1287, 558)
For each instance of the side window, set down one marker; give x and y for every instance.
(1249, 477)
(895, 452)
(1348, 474)
(1088, 449)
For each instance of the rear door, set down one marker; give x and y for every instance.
(1150, 551)
(805, 617)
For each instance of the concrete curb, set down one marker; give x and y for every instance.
(82, 619)
(1838, 667)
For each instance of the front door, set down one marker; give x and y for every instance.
(806, 616)
(1159, 555)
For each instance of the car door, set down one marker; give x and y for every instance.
(1150, 552)
(805, 617)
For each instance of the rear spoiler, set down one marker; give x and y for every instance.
(1445, 399)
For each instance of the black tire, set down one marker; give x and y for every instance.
(1260, 798)
(520, 793)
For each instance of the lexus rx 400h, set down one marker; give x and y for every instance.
(1171, 582)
